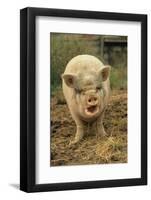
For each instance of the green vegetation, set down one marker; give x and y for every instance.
(118, 78)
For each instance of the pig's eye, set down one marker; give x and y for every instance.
(78, 91)
(98, 88)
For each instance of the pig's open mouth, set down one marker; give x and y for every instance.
(91, 110)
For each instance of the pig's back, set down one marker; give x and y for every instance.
(82, 64)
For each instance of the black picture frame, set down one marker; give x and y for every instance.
(28, 99)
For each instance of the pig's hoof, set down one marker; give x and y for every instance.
(72, 143)
(102, 133)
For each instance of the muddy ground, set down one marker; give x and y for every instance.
(92, 149)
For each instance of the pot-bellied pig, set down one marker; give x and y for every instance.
(86, 88)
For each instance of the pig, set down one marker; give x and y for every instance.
(86, 88)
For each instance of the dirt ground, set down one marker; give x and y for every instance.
(92, 149)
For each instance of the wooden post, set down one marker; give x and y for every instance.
(102, 46)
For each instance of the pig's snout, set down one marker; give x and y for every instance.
(92, 107)
(92, 100)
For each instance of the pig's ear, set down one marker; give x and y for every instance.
(70, 79)
(104, 73)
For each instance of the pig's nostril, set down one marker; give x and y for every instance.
(92, 100)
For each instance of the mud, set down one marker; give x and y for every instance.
(92, 149)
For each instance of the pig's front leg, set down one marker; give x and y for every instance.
(79, 132)
(99, 126)
(100, 129)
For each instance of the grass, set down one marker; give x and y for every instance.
(118, 78)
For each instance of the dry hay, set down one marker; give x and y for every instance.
(92, 149)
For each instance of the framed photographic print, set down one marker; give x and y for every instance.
(83, 99)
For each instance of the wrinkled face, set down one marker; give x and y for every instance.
(89, 95)
(88, 92)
